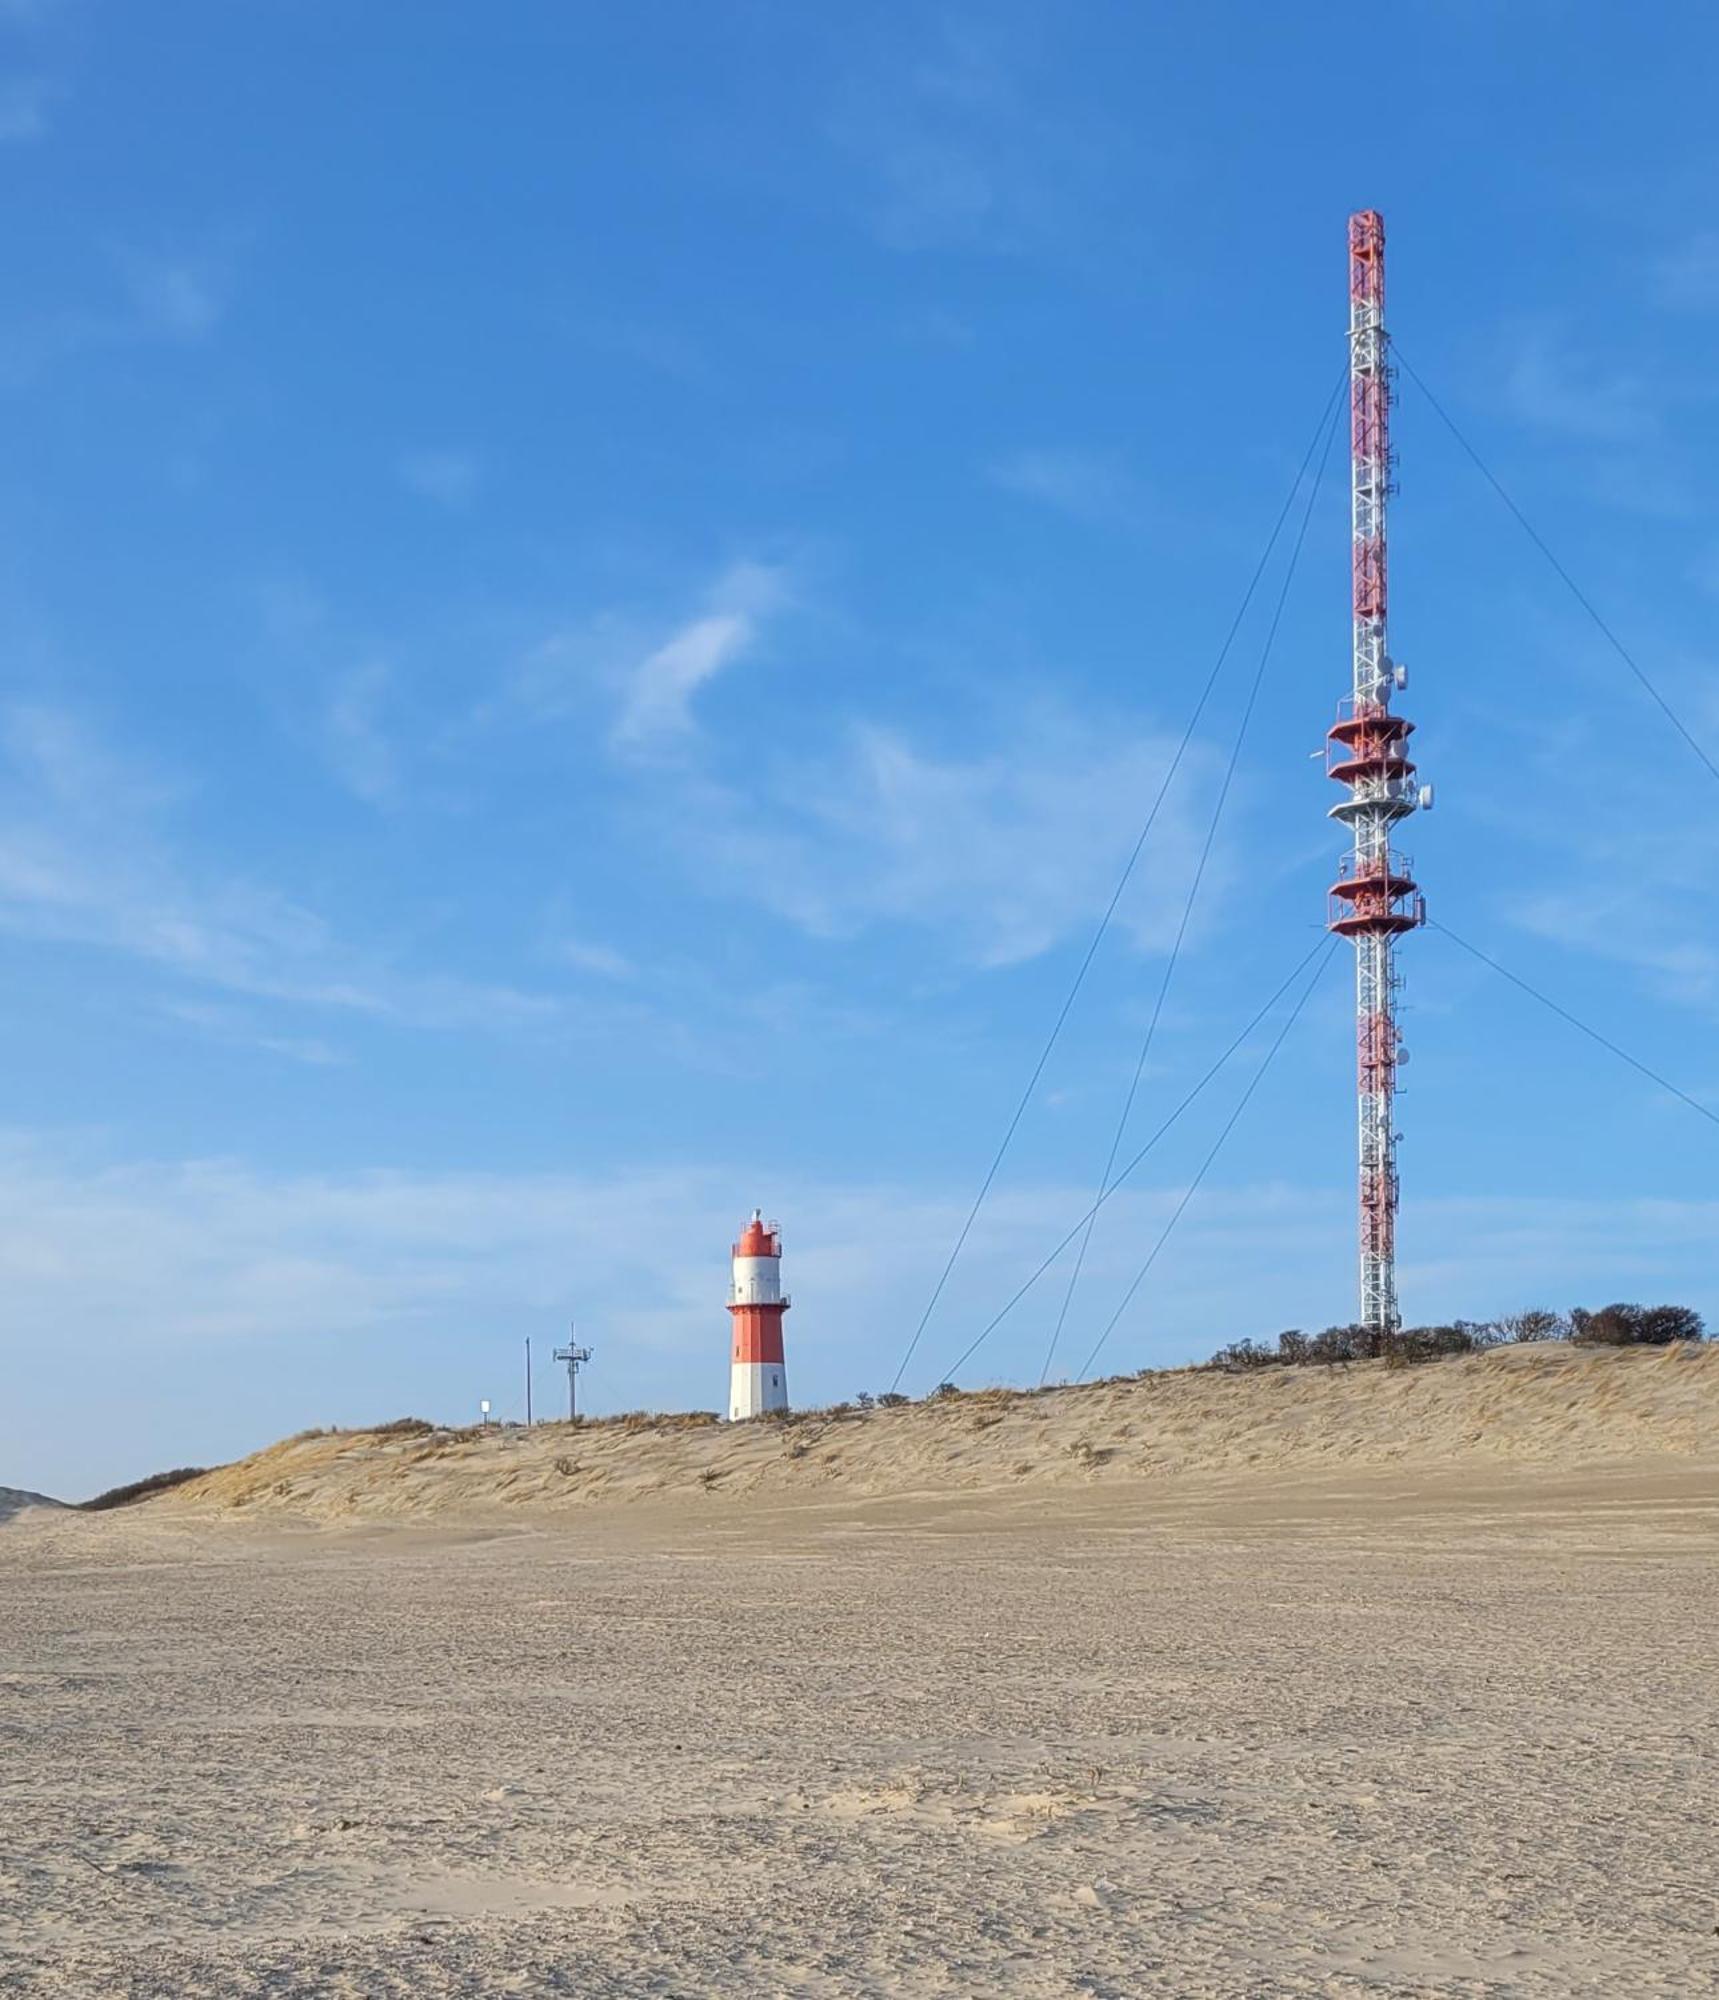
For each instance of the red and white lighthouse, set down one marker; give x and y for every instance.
(758, 1380)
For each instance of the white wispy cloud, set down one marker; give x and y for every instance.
(665, 681)
(1632, 926)
(450, 478)
(1089, 486)
(362, 754)
(1687, 277)
(1620, 883)
(238, 1029)
(342, 692)
(586, 955)
(663, 349)
(1550, 384)
(177, 295)
(87, 857)
(226, 1251)
(24, 105)
(142, 297)
(646, 672)
(1001, 853)
(957, 150)
(658, 690)
(936, 326)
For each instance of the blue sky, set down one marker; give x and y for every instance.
(591, 601)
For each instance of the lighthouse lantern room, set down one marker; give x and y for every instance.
(758, 1379)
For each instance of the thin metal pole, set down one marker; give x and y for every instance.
(528, 1381)
(573, 1354)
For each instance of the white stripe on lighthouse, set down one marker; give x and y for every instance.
(757, 1281)
(755, 1387)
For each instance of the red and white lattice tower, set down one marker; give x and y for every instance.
(758, 1379)
(1374, 900)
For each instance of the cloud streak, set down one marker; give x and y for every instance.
(85, 858)
(1687, 278)
(1001, 853)
(360, 752)
(449, 478)
(658, 690)
(1555, 389)
(1087, 486)
(954, 152)
(24, 102)
(153, 298)
(178, 297)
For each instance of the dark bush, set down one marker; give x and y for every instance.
(1660, 1326)
(1244, 1354)
(1611, 1326)
(1437, 1343)
(1535, 1324)
(1635, 1326)
(142, 1489)
(1296, 1349)
(1461, 1336)
(892, 1399)
(1339, 1344)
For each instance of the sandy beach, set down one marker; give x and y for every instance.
(1434, 1727)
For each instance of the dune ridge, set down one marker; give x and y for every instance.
(1550, 1406)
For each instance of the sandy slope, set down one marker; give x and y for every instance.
(1413, 1697)
(1543, 1405)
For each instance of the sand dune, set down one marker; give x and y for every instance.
(1356, 1684)
(1548, 1406)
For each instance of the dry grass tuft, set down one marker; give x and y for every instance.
(648, 1420)
(142, 1489)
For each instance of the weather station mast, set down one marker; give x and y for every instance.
(1375, 900)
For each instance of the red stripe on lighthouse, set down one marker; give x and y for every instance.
(758, 1333)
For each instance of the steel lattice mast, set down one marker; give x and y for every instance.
(1374, 900)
